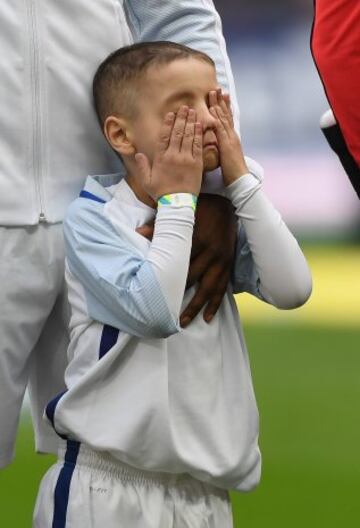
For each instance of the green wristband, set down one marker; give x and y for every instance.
(178, 200)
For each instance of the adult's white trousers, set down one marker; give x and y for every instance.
(33, 329)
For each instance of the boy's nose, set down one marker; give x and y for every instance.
(208, 120)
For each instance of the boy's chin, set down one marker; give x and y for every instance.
(211, 161)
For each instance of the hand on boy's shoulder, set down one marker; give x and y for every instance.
(212, 256)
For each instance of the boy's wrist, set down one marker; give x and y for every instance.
(242, 189)
(235, 174)
(178, 200)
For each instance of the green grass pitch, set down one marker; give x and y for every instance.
(307, 381)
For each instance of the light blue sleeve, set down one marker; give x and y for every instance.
(120, 286)
(245, 277)
(194, 23)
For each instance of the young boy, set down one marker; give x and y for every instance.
(158, 421)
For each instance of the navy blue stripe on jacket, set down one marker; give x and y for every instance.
(109, 337)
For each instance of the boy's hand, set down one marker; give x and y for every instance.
(231, 155)
(178, 160)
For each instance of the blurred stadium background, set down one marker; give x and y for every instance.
(305, 363)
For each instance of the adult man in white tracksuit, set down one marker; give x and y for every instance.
(49, 142)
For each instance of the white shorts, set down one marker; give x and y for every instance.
(88, 489)
(33, 329)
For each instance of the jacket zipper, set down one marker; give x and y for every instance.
(36, 101)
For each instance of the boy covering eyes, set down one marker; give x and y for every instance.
(158, 421)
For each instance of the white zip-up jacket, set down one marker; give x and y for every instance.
(49, 136)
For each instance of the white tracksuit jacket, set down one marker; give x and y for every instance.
(50, 49)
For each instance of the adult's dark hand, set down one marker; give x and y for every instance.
(212, 255)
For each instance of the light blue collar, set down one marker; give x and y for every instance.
(97, 185)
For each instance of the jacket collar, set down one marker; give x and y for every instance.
(96, 186)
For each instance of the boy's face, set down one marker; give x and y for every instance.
(166, 88)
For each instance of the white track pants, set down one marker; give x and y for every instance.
(33, 329)
(86, 489)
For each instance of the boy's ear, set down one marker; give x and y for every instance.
(118, 134)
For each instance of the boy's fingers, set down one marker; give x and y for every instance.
(177, 132)
(216, 97)
(220, 128)
(226, 98)
(165, 132)
(224, 119)
(188, 139)
(198, 141)
(223, 109)
(218, 103)
(212, 98)
(229, 109)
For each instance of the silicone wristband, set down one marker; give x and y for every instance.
(178, 200)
